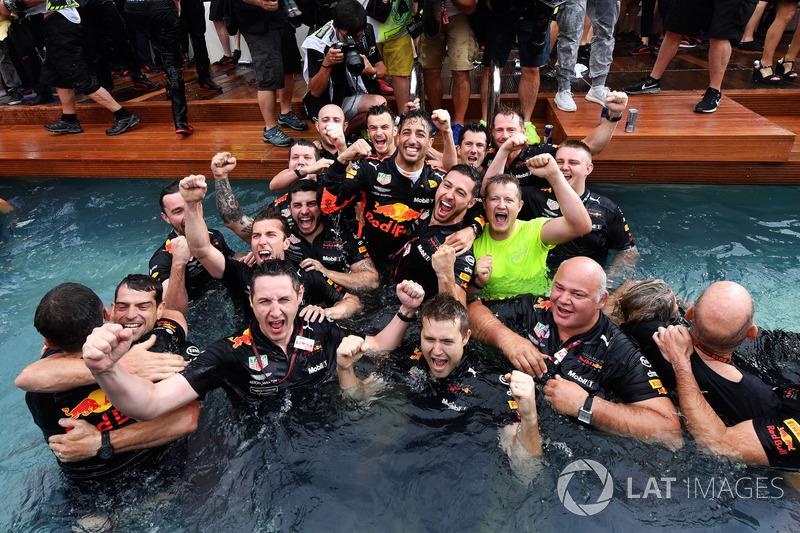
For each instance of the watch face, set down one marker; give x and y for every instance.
(105, 452)
(585, 416)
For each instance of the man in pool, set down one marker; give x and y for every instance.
(518, 249)
(92, 439)
(277, 351)
(772, 439)
(609, 228)
(450, 373)
(269, 240)
(588, 356)
(192, 280)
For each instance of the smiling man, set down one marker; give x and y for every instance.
(276, 352)
(396, 189)
(583, 354)
(269, 240)
(518, 249)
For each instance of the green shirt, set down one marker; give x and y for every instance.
(518, 262)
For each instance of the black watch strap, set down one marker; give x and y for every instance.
(106, 451)
(614, 119)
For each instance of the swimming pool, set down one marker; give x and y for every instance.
(318, 463)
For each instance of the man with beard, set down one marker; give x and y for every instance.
(425, 258)
(275, 353)
(269, 240)
(396, 189)
(190, 281)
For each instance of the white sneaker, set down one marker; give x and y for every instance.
(597, 94)
(565, 102)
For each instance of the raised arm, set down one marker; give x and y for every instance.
(487, 329)
(175, 295)
(287, 177)
(134, 396)
(222, 164)
(739, 441)
(83, 440)
(444, 264)
(575, 220)
(598, 138)
(441, 119)
(193, 190)
(498, 166)
(362, 276)
(410, 295)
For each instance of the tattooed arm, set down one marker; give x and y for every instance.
(227, 205)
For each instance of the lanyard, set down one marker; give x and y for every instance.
(560, 354)
(291, 362)
(719, 358)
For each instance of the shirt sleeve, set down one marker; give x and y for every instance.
(204, 373)
(161, 264)
(619, 234)
(630, 376)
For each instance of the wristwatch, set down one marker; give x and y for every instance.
(614, 119)
(106, 451)
(585, 412)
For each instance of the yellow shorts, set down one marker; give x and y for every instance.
(397, 56)
(459, 40)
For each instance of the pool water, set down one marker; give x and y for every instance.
(318, 463)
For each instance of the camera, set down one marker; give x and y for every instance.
(294, 13)
(352, 55)
(415, 27)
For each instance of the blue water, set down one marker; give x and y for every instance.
(316, 463)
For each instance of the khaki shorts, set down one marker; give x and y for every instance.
(459, 40)
(398, 56)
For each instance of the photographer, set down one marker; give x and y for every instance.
(342, 63)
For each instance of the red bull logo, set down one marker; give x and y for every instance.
(244, 338)
(542, 304)
(96, 402)
(168, 245)
(787, 439)
(397, 212)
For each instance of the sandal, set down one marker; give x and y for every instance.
(765, 75)
(785, 69)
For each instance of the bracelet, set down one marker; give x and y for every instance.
(297, 171)
(475, 284)
(326, 66)
(405, 318)
(614, 119)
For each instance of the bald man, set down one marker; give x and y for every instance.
(722, 318)
(582, 353)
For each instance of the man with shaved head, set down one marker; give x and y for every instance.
(582, 353)
(722, 318)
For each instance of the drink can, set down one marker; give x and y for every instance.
(603, 114)
(631, 124)
(548, 134)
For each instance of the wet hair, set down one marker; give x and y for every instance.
(305, 185)
(720, 343)
(416, 114)
(273, 213)
(273, 268)
(67, 314)
(382, 109)
(578, 144)
(503, 179)
(511, 111)
(470, 172)
(142, 283)
(475, 127)
(170, 188)
(444, 307)
(646, 300)
(350, 16)
(307, 143)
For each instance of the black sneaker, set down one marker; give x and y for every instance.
(547, 72)
(226, 61)
(15, 97)
(208, 85)
(291, 120)
(62, 126)
(277, 137)
(646, 85)
(710, 101)
(183, 128)
(143, 84)
(121, 125)
(252, 81)
(237, 55)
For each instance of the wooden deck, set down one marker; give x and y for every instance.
(750, 139)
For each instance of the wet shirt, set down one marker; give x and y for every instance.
(602, 359)
(609, 228)
(519, 169)
(733, 402)
(336, 248)
(319, 290)
(472, 387)
(197, 279)
(779, 433)
(251, 369)
(413, 261)
(90, 404)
